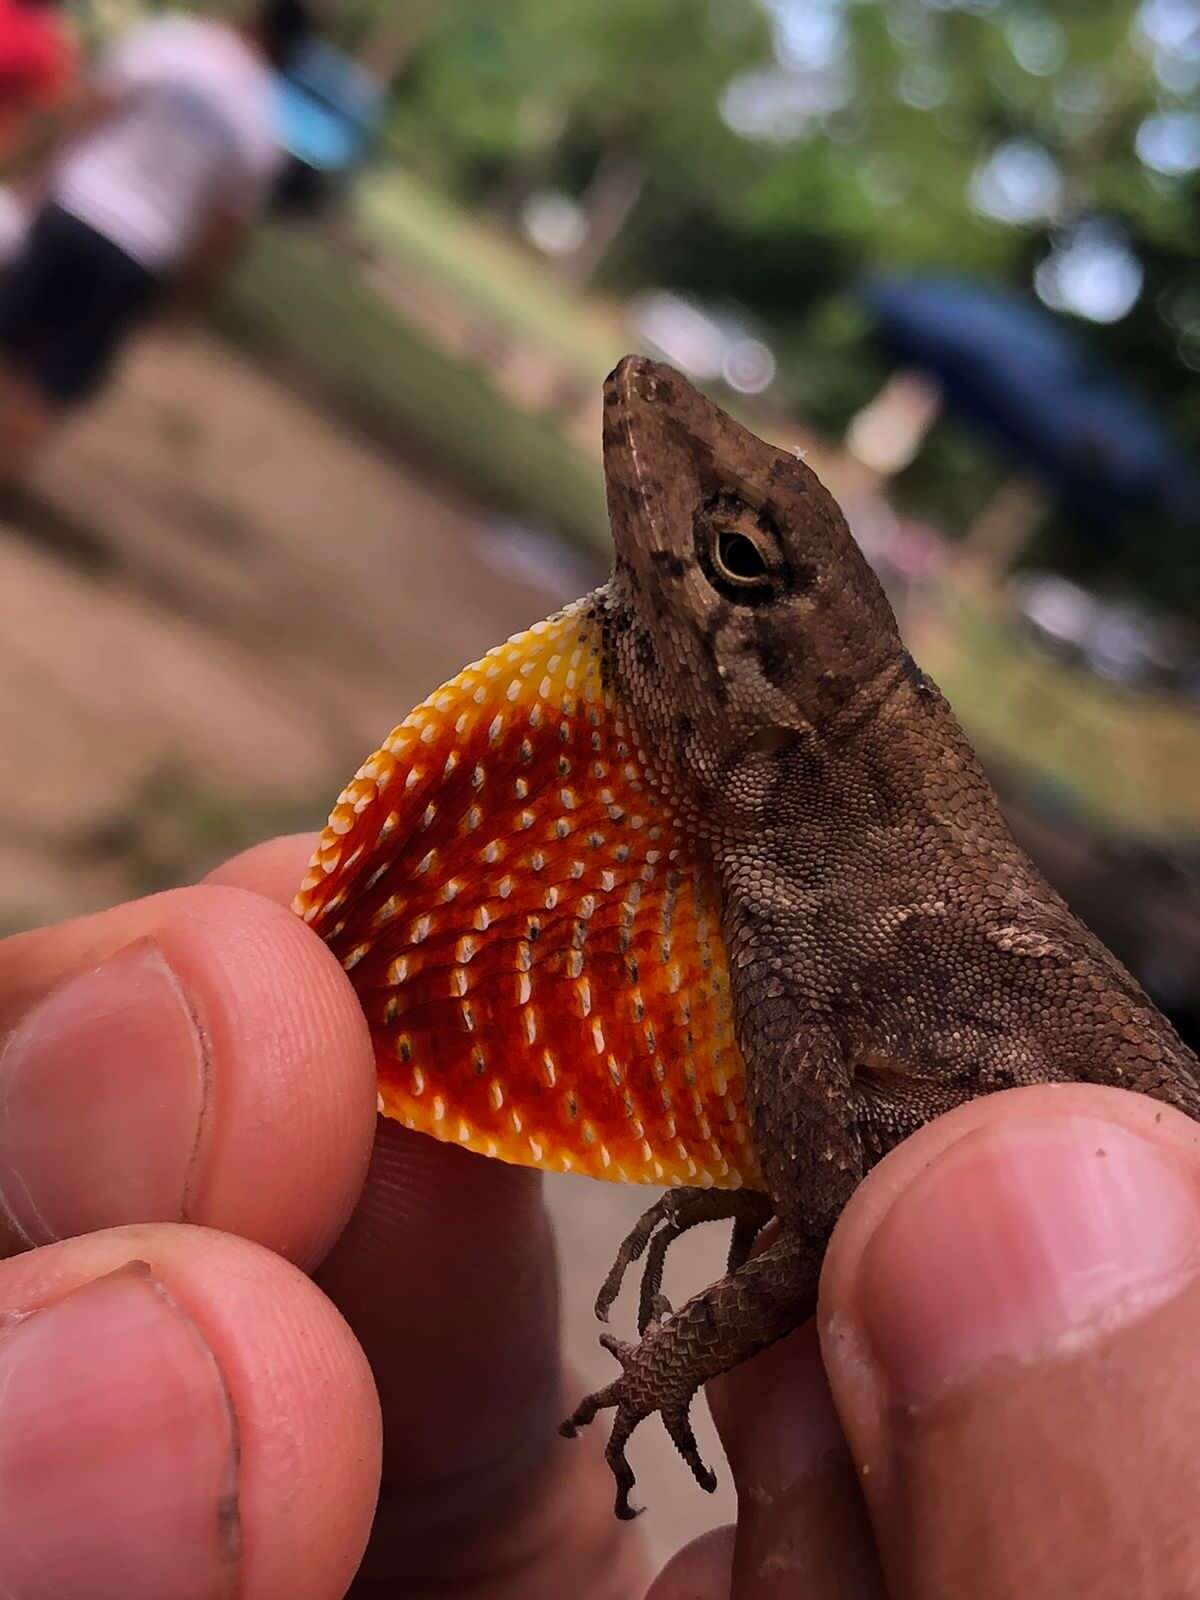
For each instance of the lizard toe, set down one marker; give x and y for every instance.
(643, 1388)
(679, 1426)
(654, 1310)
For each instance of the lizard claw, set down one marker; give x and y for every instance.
(632, 1248)
(633, 1396)
(680, 1350)
(678, 1425)
(657, 1309)
(656, 1231)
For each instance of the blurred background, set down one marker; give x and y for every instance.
(951, 248)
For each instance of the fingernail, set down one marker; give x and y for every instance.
(102, 1091)
(1019, 1239)
(118, 1451)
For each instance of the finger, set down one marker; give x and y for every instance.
(802, 1526)
(181, 1414)
(450, 1260)
(195, 1056)
(1009, 1314)
(273, 868)
(702, 1570)
(447, 1275)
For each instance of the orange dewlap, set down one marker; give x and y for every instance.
(536, 949)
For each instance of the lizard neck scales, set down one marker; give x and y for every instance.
(535, 945)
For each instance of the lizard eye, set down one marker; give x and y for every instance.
(738, 559)
(739, 552)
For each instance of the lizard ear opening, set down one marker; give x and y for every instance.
(770, 741)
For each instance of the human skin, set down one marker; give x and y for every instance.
(229, 1303)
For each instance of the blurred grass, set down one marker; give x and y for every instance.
(302, 303)
(429, 234)
(1123, 760)
(174, 827)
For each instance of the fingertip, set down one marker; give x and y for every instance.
(273, 868)
(989, 1115)
(310, 1432)
(196, 1056)
(1003, 1312)
(702, 1570)
(190, 1416)
(291, 1108)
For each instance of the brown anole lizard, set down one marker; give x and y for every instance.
(699, 883)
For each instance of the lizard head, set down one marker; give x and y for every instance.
(742, 617)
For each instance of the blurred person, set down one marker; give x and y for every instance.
(37, 71)
(247, 1328)
(168, 161)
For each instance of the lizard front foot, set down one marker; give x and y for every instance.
(749, 1309)
(637, 1394)
(665, 1221)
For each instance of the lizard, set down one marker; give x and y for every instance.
(699, 883)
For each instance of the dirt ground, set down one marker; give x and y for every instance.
(213, 603)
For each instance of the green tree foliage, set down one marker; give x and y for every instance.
(789, 146)
(505, 97)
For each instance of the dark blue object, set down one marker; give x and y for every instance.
(1019, 375)
(329, 110)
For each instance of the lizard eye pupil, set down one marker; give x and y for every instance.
(738, 559)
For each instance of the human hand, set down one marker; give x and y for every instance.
(1005, 1319)
(183, 1414)
(1008, 1324)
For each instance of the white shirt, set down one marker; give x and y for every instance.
(195, 129)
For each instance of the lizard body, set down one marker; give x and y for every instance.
(701, 883)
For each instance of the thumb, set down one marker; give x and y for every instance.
(1009, 1319)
